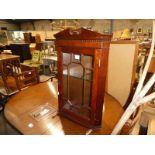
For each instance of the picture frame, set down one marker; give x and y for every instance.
(139, 30)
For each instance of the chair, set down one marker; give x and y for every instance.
(28, 76)
(49, 58)
(49, 48)
(34, 62)
(16, 76)
(37, 57)
(43, 50)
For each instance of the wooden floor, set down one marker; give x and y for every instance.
(18, 109)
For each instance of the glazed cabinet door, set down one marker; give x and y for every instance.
(77, 79)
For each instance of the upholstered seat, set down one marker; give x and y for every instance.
(35, 59)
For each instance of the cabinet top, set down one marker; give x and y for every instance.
(81, 34)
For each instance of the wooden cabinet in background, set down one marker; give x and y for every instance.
(82, 69)
(27, 37)
(21, 49)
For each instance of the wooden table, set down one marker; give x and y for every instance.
(4, 57)
(18, 113)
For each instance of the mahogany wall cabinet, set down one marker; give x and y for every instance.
(82, 69)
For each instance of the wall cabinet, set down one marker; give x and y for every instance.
(82, 69)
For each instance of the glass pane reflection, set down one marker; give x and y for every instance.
(77, 83)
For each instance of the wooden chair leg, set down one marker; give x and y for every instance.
(17, 83)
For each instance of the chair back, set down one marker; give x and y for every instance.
(36, 56)
(14, 78)
(26, 79)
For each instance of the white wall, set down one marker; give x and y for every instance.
(44, 34)
(120, 24)
(100, 25)
(39, 25)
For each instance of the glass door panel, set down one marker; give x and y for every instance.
(77, 83)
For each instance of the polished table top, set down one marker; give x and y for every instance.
(7, 56)
(18, 113)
